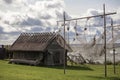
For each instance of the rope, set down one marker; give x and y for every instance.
(85, 29)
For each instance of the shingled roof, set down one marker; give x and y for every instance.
(37, 41)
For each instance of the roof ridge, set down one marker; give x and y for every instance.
(42, 33)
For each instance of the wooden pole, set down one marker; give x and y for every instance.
(64, 44)
(114, 68)
(68, 37)
(105, 39)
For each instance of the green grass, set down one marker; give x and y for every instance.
(81, 72)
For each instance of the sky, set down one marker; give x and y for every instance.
(18, 16)
(79, 7)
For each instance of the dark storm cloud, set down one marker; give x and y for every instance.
(46, 16)
(37, 29)
(8, 1)
(31, 22)
(1, 30)
(54, 5)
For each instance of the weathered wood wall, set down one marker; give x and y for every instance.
(53, 55)
(2, 52)
(56, 52)
(26, 55)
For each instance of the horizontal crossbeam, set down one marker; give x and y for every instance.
(88, 17)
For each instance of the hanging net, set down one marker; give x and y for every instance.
(88, 47)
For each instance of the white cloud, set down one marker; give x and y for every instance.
(18, 16)
(95, 26)
(7, 39)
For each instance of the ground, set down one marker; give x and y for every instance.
(79, 72)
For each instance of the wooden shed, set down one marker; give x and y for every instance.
(2, 52)
(39, 49)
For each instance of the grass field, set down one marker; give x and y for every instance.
(81, 72)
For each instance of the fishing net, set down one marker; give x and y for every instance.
(90, 48)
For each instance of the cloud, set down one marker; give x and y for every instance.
(18, 16)
(95, 26)
(1, 30)
(8, 1)
(31, 22)
(99, 23)
(8, 38)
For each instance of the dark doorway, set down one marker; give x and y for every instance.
(56, 58)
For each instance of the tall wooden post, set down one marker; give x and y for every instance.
(113, 47)
(64, 44)
(68, 37)
(104, 16)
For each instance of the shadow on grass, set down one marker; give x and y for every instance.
(114, 78)
(104, 78)
(71, 67)
(80, 67)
